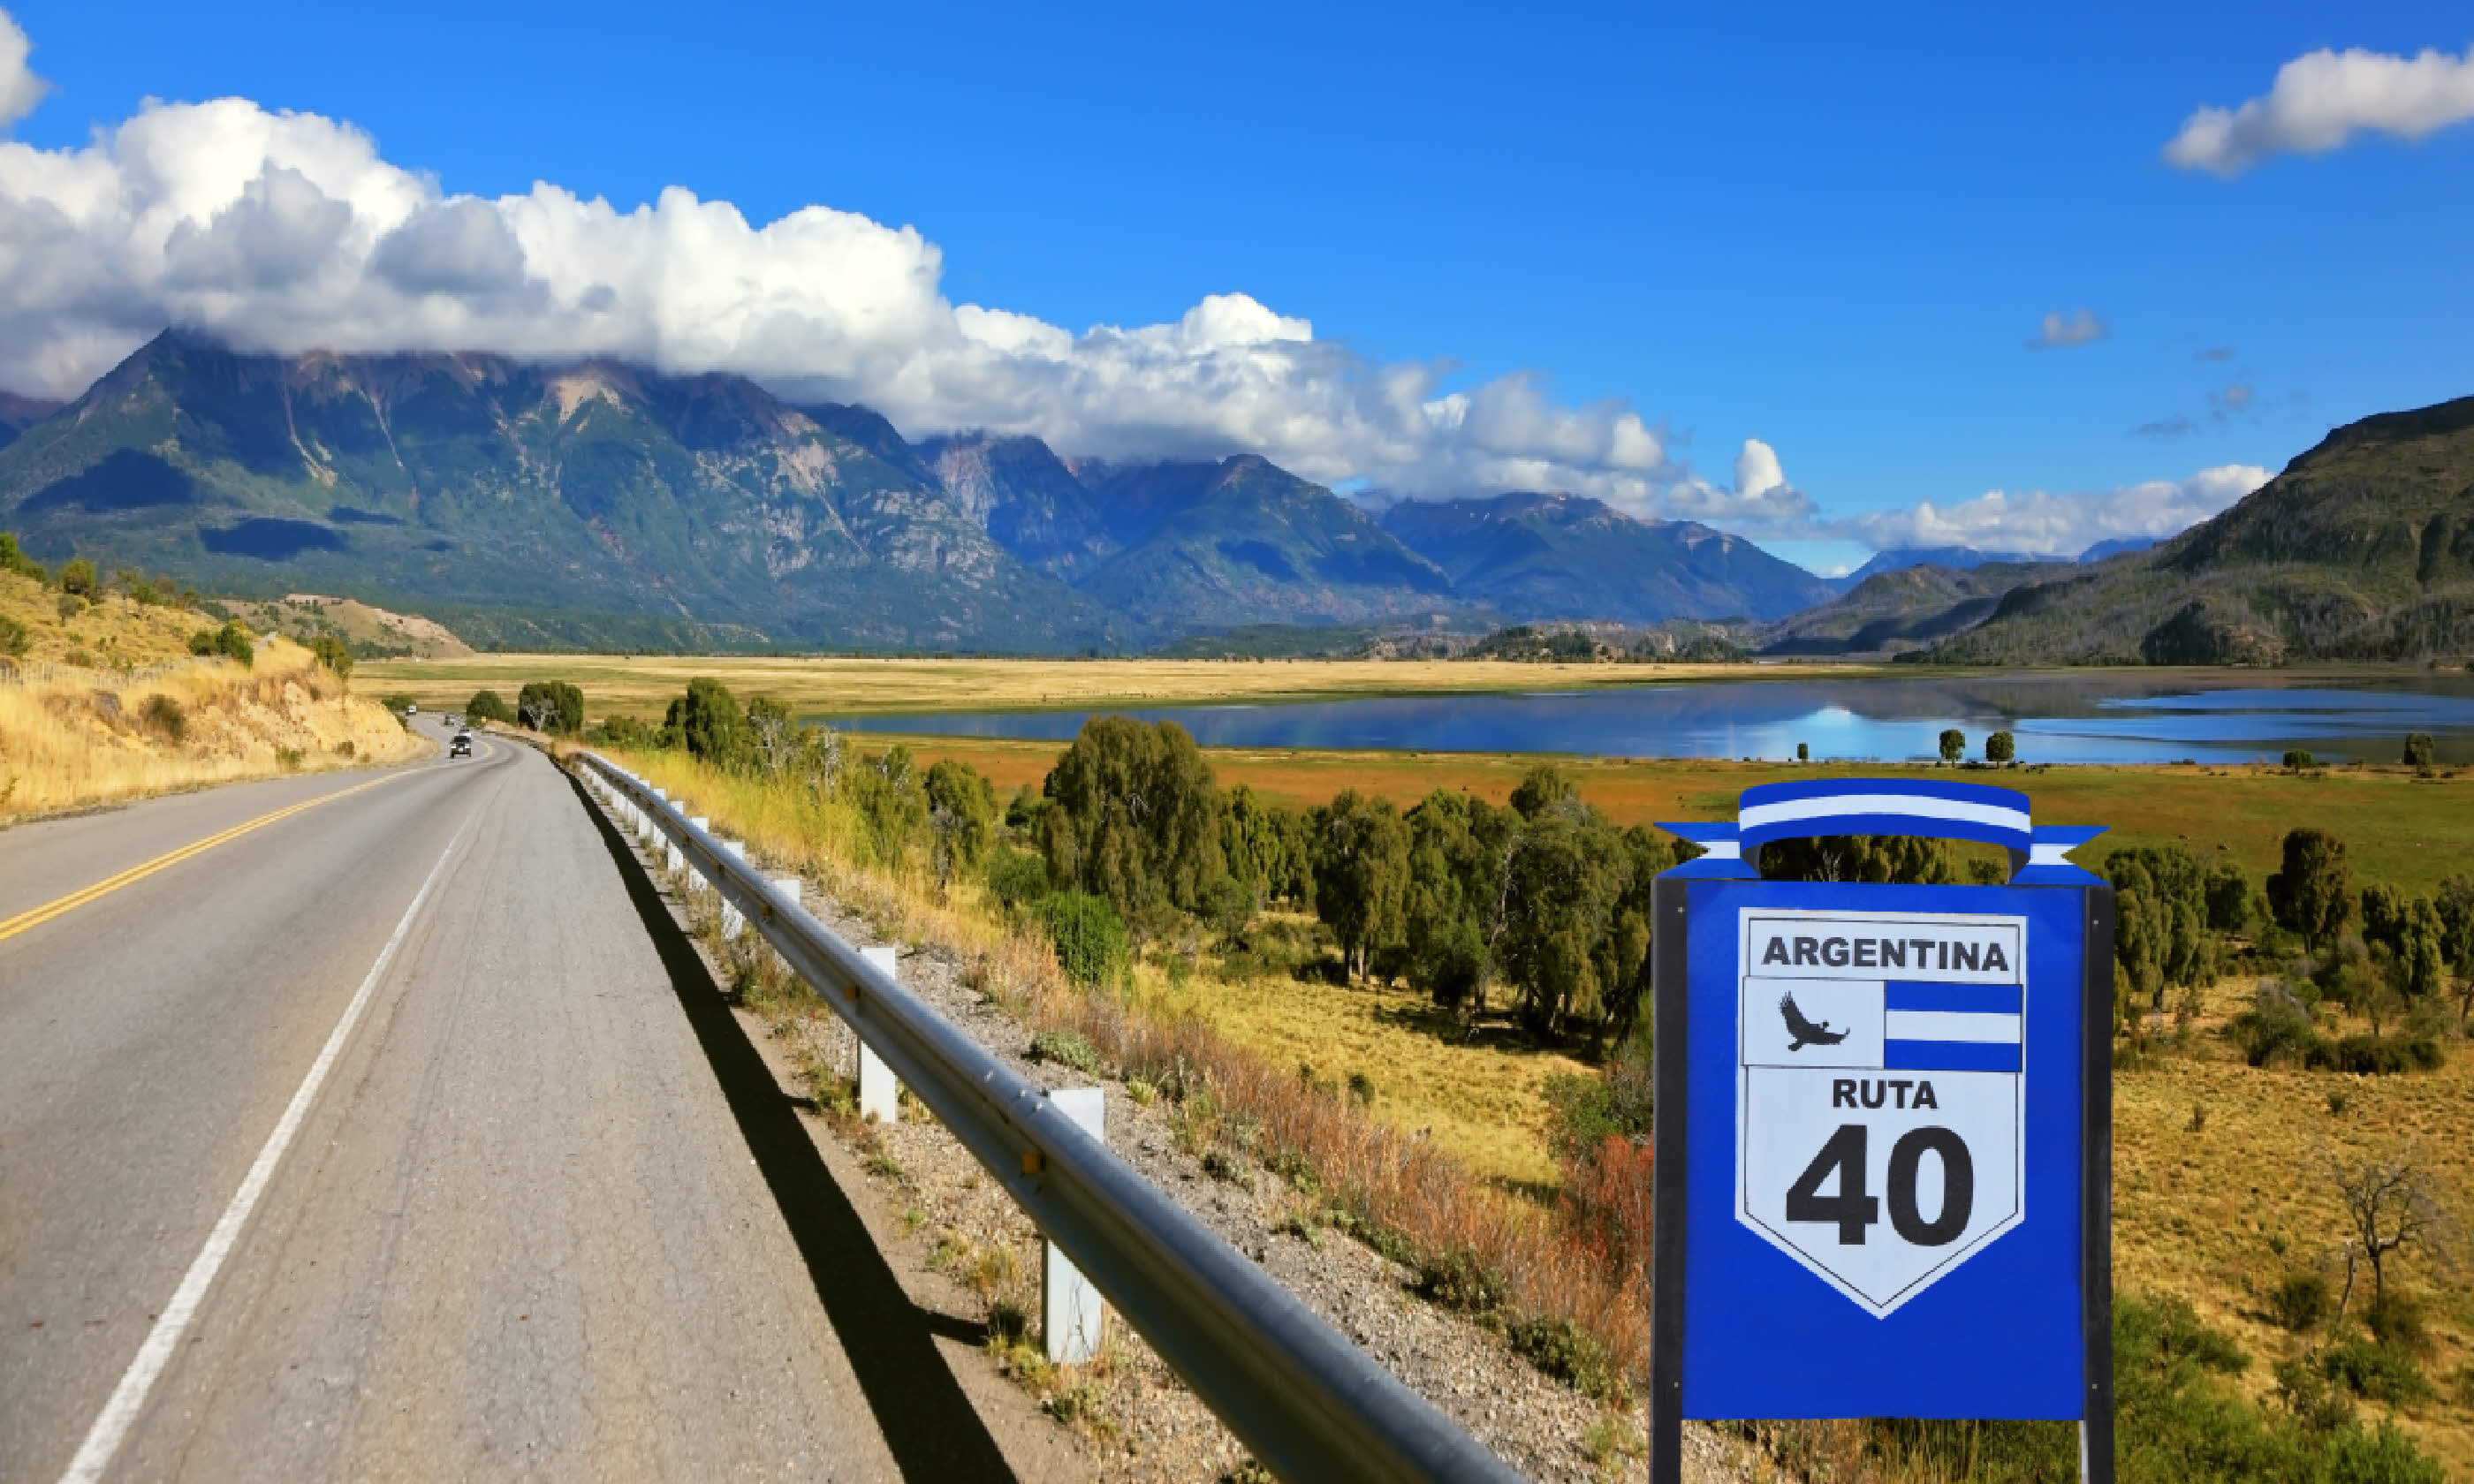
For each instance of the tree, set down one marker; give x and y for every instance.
(2228, 896)
(1361, 875)
(1457, 844)
(1268, 847)
(1564, 945)
(553, 707)
(488, 705)
(708, 722)
(773, 734)
(2418, 751)
(2391, 1203)
(1910, 860)
(2312, 896)
(1089, 938)
(333, 652)
(2160, 919)
(2000, 747)
(2455, 908)
(77, 578)
(962, 808)
(1135, 817)
(1542, 788)
(1803, 751)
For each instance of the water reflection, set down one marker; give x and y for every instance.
(2057, 718)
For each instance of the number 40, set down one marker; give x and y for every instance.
(1853, 1209)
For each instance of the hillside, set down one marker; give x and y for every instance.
(1567, 556)
(1903, 608)
(2363, 549)
(106, 703)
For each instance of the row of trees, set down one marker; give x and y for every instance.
(1456, 896)
(2379, 951)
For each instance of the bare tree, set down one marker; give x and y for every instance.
(2391, 1203)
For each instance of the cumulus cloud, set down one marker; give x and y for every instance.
(19, 89)
(2036, 523)
(1762, 495)
(2079, 328)
(2322, 98)
(285, 232)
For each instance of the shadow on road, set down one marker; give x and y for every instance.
(928, 1422)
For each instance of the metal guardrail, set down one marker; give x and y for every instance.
(1308, 1404)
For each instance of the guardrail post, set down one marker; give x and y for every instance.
(733, 920)
(704, 823)
(794, 889)
(1073, 1320)
(880, 1091)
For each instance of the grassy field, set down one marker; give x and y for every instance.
(642, 686)
(2218, 1165)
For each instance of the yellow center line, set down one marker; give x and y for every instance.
(37, 916)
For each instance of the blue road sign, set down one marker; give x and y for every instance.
(1882, 1115)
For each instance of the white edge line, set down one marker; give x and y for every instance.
(102, 1440)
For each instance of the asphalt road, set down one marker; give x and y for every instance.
(535, 1218)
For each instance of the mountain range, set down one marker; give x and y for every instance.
(2360, 549)
(604, 504)
(1961, 559)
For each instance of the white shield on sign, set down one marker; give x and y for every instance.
(1878, 1114)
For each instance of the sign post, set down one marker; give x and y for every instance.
(1883, 1139)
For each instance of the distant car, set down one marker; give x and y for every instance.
(462, 746)
(412, 709)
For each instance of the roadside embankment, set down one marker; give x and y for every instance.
(72, 735)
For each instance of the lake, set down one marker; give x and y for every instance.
(2087, 717)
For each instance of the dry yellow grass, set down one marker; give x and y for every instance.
(2199, 1213)
(642, 686)
(1483, 1102)
(78, 729)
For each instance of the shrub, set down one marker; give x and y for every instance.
(70, 605)
(1089, 936)
(289, 758)
(232, 640)
(1016, 878)
(12, 635)
(2299, 1302)
(1954, 745)
(2000, 747)
(1562, 1351)
(488, 705)
(2277, 1028)
(1459, 1278)
(333, 652)
(2394, 1318)
(163, 714)
(2418, 751)
(1066, 1049)
(14, 558)
(2298, 758)
(2375, 1372)
(77, 578)
(2379, 1056)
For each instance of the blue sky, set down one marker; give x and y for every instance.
(1832, 230)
